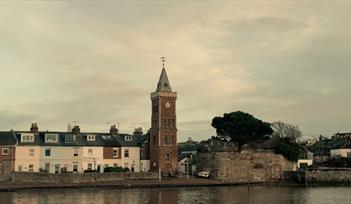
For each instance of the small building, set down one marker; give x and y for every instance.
(186, 164)
(305, 159)
(345, 135)
(342, 152)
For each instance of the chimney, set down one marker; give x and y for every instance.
(138, 131)
(76, 129)
(113, 130)
(34, 127)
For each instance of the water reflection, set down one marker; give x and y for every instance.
(217, 195)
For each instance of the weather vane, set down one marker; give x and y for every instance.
(163, 61)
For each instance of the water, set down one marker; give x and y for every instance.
(216, 195)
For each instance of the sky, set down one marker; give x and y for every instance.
(97, 63)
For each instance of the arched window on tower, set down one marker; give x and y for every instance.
(168, 156)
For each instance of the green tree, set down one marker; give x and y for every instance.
(241, 127)
(290, 150)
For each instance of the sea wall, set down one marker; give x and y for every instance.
(244, 166)
(328, 176)
(78, 177)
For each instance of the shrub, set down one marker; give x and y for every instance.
(90, 171)
(113, 169)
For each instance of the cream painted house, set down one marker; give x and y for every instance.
(345, 152)
(93, 158)
(27, 154)
(130, 158)
(58, 159)
(60, 152)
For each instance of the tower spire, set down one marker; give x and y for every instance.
(163, 83)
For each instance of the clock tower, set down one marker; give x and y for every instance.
(163, 133)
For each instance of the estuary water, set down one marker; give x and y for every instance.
(216, 195)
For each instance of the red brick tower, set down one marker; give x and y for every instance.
(163, 134)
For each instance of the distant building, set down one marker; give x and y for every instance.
(342, 152)
(346, 135)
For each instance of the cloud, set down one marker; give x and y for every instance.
(98, 62)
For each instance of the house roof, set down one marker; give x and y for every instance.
(101, 139)
(183, 156)
(7, 138)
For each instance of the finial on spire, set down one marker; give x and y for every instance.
(163, 61)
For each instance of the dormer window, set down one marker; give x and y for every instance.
(51, 138)
(27, 137)
(70, 138)
(128, 138)
(90, 137)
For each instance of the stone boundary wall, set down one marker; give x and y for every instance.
(330, 176)
(78, 177)
(244, 166)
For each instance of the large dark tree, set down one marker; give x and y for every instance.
(241, 127)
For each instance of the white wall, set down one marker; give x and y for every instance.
(133, 160)
(96, 158)
(61, 156)
(144, 165)
(339, 152)
(24, 159)
(309, 162)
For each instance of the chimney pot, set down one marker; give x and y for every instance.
(76, 129)
(34, 127)
(113, 130)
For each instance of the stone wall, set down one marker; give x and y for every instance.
(245, 166)
(328, 176)
(81, 177)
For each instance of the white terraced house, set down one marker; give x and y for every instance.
(76, 152)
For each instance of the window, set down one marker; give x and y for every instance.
(168, 139)
(115, 152)
(30, 168)
(91, 137)
(155, 108)
(49, 138)
(90, 152)
(19, 168)
(75, 152)
(27, 137)
(31, 152)
(5, 151)
(128, 138)
(48, 152)
(70, 138)
(75, 166)
(168, 157)
(126, 153)
(90, 166)
(115, 165)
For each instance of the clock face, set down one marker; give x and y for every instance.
(167, 105)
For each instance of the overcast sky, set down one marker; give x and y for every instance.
(97, 63)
